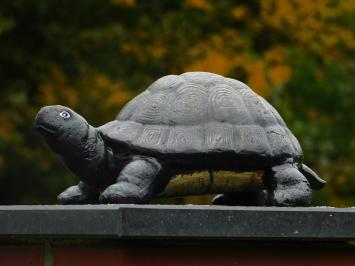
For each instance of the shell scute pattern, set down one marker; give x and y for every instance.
(203, 112)
(153, 136)
(227, 106)
(251, 139)
(153, 110)
(236, 83)
(124, 131)
(130, 108)
(274, 113)
(166, 83)
(185, 139)
(202, 78)
(189, 106)
(279, 140)
(219, 137)
(260, 114)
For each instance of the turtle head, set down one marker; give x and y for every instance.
(63, 129)
(70, 135)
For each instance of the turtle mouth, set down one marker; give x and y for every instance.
(46, 129)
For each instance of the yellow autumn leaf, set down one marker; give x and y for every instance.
(276, 54)
(124, 2)
(279, 74)
(200, 4)
(215, 62)
(256, 78)
(239, 12)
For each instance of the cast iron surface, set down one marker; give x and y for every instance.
(174, 221)
(193, 122)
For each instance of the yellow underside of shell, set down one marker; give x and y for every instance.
(213, 182)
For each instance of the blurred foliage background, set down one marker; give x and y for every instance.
(95, 55)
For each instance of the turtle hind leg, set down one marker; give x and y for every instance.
(136, 183)
(286, 186)
(80, 194)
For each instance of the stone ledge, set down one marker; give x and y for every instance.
(178, 222)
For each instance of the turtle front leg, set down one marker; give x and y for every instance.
(80, 194)
(136, 182)
(286, 186)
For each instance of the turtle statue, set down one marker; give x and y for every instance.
(196, 121)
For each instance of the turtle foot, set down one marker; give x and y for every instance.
(288, 187)
(290, 197)
(121, 193)
(135, 183)
(76, 195)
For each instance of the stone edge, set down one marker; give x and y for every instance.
(177, 222)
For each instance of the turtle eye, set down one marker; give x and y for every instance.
(64, 114)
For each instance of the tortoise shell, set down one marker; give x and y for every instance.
(199, 112)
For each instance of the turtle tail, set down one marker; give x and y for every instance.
(314, 180)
